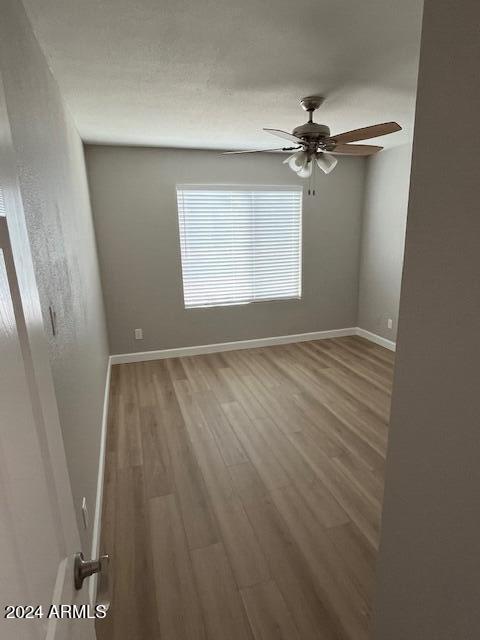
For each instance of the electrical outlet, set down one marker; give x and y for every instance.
(85, 516)
(390, 323)
(138, 334)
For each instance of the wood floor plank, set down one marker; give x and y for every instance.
(332, 580)
(129, 443)
(247, 482)
(271, 357)
(145, 384)
(216, 361)
(259, 367)
(369, 481)
(221, 603)
(365, 347)
(243, 394)
(357, 555)
(376, 400)
(134, 617)
(213, 468)
(194, 374)
(292, 573)
(236, 362)
(191, 492)
(351, 364)
(314, 357)
(278, 405)
(352, 413)
(291, 461)
(228, 443)
(209, 367)
(332, 433)
(381, 352)
(193, 418)
(336, 437)
(178, 607)
(323, 504)
(359, 509)
(245, 555)
(268, 614)
(257, 448)
(200, 523)
(349, 396)
(157, 463)
(369, 363)
(175, 369)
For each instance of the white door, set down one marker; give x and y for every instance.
(38, 531)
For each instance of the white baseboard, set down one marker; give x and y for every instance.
(373, 337)
(97, 523)
(141, 356)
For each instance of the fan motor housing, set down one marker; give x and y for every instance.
(312, 131)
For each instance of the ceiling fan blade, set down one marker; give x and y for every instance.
(366, 133)
(284, 134)
(355, 150)
(231, 153)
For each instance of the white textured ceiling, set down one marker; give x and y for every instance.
(212, 73)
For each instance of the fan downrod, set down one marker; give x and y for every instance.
(311, 132)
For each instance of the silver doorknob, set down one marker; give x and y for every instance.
(85, 568)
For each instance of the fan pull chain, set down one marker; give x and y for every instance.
(310, 190)
(312, 179)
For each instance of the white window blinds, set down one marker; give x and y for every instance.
(239, 244)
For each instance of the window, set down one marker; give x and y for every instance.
(239, 244)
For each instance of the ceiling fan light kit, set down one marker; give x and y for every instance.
(316, 147)
(307, 170)
(326, 162)
(297, 161)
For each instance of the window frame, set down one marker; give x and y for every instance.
(242, 187)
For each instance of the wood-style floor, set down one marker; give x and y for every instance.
(243, 493)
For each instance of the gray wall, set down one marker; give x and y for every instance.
(383, 238)
(429, 565)
(134, 203)
(56, 202)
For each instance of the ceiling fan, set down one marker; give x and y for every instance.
(314, 146)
